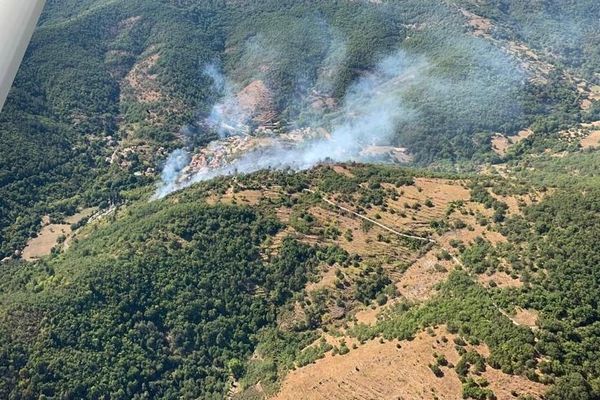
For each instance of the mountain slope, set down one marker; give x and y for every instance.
(114, 83)
(473, 273)
(239, 278)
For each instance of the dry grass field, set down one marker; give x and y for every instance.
(51, 234)
(396, 370)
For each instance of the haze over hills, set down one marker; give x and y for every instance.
(303, 199)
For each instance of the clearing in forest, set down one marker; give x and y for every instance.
(51, 234)
(592, 140)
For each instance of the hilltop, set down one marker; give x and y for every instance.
(254, 283)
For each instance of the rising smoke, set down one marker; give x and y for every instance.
(175, 163)
(403, 90)
(370, 114)
(227, 115)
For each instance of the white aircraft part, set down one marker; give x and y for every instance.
(18, 19)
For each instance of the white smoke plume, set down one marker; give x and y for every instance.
(332, 65)
(463, 85)
(227, 115)
(174, 164)
(370, 114)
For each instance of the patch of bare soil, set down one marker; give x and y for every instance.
(504, 385)
(212, 199)
(256, 101)
(592, 125)
(481, 26)
(327, 280)
(141, 85)
(420, 279)
(49, 235)
(85, 213)
(367, 316)
(340, 169)
(501, 279)
(591, 141)
(585, 104)
(501, 143)
(141, 82)
(524, 134)
(588, 94)
(283, 214)
(395, 370)
(595, 92)
(440, 191)
(250, 197)
(374, 242)
(410, 210)
(526, 317)
(373, 371)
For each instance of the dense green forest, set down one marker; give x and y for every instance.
(163, 305)
(568, 29)
(166, 299)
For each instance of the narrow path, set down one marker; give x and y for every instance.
(379, 224)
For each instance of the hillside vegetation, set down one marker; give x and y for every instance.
(172, 298)
(107, 86)
(469, 272)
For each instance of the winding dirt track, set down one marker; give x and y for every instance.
(379, 224)
(405, 235)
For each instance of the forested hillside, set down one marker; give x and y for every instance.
(233, 282)
(189, 312)
(110, 85)
(411, 206)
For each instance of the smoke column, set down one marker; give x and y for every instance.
(176, 161)
(461, 88)
(226, 115)
(371, 112)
